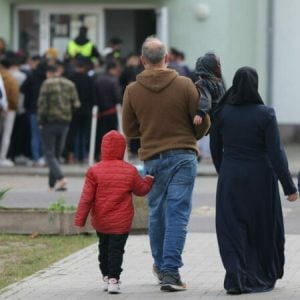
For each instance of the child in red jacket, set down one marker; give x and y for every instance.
(107, 195)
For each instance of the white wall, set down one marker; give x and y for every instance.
(286, 64)
(235, 30)
(5, 22)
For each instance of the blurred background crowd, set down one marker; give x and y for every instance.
(100, 80)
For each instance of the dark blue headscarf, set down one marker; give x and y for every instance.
(244, 89)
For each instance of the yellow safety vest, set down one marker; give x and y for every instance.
(84, 50)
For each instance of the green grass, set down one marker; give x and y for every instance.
(21, 256)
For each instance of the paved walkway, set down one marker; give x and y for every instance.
(77, 276)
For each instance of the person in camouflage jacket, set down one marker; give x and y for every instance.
(57, 101)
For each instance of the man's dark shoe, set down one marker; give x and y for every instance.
(172, 283)
(157, 274)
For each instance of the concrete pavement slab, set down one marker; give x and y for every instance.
(77, 276)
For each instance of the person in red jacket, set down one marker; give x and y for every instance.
(107, 194)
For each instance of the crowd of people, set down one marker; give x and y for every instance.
(99, 80)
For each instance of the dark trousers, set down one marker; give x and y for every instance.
(20, 139)
(104, 125)
(111, 250)
(78, 136)
(134, 145)
(53, 138)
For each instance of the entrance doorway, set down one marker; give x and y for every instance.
(131, 26)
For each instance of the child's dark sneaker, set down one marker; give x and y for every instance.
(157, 274)
(172, 283)
(113, 286)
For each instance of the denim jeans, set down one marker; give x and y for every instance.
(36, 141)
(170, 204)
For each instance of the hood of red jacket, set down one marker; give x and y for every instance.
(113, 146)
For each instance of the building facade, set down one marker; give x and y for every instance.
(257, 33)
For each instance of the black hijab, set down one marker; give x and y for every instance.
(244, 89)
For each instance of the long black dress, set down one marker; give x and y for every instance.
(248, 156)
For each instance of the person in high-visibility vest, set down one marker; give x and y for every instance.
(82, 46)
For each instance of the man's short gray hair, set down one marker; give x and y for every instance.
(153, 50)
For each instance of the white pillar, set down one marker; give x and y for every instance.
(93, 135)
(119, 111)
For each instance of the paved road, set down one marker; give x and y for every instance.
(31, 191)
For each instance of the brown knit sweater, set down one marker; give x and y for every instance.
(159, 108)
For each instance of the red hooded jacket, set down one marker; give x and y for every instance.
(108, 188)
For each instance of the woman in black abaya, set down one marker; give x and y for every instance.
(249, 159)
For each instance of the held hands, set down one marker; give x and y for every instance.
(197, 120)
(292, 197)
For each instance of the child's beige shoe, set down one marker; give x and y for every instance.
(113, 286)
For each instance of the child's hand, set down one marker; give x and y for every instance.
(149, 176)
(197, 120)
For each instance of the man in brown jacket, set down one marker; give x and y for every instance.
(159, 108)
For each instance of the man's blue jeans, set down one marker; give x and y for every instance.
(170, 203)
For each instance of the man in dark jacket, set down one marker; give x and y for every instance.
(78, 135)
(31, 89)
(107, 96)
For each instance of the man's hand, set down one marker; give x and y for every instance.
(292, 197)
